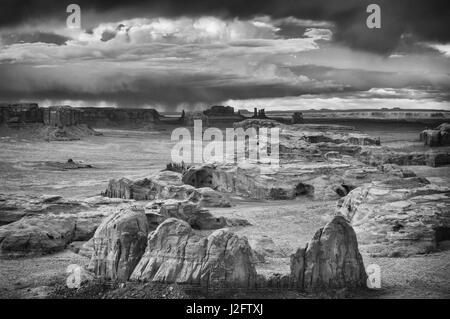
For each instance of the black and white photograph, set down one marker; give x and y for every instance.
(226, 153)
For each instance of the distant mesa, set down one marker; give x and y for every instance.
(65, 123)
(219, 115)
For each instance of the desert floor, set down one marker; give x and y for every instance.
(134, 154)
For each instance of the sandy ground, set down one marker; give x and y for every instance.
(135, 154)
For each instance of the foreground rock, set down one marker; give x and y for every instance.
(36, 235)
(36, 225)
(330, 260)
(119, 243)
(176, 253)
(46, 233)
(14, 207)
(399, 217)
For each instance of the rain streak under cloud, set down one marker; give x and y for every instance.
(173, 56)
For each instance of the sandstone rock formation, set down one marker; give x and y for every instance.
(196, 216)
(66, 133)
(99, 117)
(440, 136)
(325, 179)
(377, 156)
(399, 217)
(46, 233)
(64, 166)
(20, 113)
(165, 185)
(264, 247)
(330, 260)
(119, 243)
(35, 225)
(177, 253)
(36, 235)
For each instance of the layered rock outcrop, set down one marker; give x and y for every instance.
(113, 117)
(46, 233)
(327, 179)
(331, 260)
(440, 136)
(164, 185)
(20, 113)
(196, 216)
(177, 253)
(118, 244)
(399, 217)
(47, 224)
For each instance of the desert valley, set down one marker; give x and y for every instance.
(96, 190)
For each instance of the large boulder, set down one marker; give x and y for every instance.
(399, 217)
(330, 260)
(36, 235)
(164, 185)
(192, 213)
(13, 207)
(440, 136)
(176, 253)
(47, 233)
(378, 156)
(119, 243)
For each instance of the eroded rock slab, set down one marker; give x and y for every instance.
(36, 235)
(118, 244)
(192, 213)
(440, 136)
(330, 260)
(177, 253)
(165, 185)
(399, 217)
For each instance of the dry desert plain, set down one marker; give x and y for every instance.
(134, 154)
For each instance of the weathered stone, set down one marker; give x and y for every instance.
(14, 207)
(119, 243)
(36, 235)
(207, 197)
(188, 211)
(399, 217)
(47, 233)
(113, 117)
(87, 248)
(330, 260)
(440, 136)
(264, 247)
(177, 253)
(377, 156)
(165, 185)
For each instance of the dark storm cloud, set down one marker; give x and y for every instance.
(140, 90)
(428, 19)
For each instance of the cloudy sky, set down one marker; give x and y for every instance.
(277, 54)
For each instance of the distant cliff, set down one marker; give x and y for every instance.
(105, 117)
(58, 116)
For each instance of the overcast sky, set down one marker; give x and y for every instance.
(277, 54)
